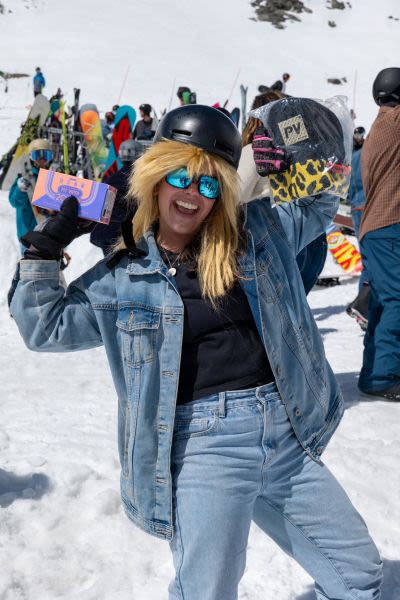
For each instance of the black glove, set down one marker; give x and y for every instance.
(268, 158)
(57, 232)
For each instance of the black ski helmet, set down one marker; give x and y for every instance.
(360, 131)
(386, 87)
(204, 127)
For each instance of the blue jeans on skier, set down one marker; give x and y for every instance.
(235, 459)
(381, 360)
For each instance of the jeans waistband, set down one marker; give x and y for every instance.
(224, 400)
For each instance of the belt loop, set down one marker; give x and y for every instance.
(221, 405)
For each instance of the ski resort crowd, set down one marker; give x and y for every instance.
(199, 265)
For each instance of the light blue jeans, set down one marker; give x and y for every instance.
(235, 459)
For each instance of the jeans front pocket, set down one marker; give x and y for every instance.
(195, 424)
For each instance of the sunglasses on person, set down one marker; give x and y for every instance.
(46, 155)
(208, 186)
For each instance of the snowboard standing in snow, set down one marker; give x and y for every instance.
(91, 127)
(123, 127)
(20, 159)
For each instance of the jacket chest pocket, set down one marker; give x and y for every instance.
(139, 327)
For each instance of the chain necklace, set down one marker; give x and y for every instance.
(172, 270)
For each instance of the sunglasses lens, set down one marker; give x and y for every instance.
(46, 155)
(179, 179)
(209, 187)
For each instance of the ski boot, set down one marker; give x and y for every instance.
(358, 309)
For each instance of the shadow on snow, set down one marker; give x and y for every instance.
(12, 487)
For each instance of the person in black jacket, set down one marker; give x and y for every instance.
(106, 236)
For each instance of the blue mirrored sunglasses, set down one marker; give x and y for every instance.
(46, 155)
(208, 186)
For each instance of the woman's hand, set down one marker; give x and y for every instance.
(57, 232)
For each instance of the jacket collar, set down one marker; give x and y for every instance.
(151, 262)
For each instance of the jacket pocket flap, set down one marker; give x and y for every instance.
(138, 317)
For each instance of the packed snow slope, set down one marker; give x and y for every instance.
(63, 534)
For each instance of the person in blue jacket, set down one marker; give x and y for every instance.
(226, 401)
(358, 308)
(21, 191)
(39, 82)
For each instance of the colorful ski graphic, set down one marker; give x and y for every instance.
(91, 128)
(343, 251)
(123, 127)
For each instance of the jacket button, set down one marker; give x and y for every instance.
(279, 371)
(319, 450)
(297, 412)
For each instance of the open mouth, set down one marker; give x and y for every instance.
(185, 207)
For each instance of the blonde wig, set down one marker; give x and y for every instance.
(218, 238)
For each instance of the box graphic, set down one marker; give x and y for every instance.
(96, 200)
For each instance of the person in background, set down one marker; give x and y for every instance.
(186, 96)
(39, 82)
(380, 241)
(146, 127)
(280, 84)
(21, 191)
(225, 398)
(107, 125)
(106, 236)
(312, 258)
(358, 308)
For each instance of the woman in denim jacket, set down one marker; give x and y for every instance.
(226, 400)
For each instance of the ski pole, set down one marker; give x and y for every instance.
(354, 91)
(233, 87)
(172, 94)
(123, 84)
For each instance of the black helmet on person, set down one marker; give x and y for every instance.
(146, 108)
(359, 130)
(130, 150)
(386, 87)
(110, 117)
(204, 127)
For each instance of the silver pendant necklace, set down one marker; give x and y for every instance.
(172, 270)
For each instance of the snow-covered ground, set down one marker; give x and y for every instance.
(63, 533)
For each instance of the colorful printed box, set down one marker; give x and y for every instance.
(96, 200)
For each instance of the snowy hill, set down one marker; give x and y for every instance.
(63, 533)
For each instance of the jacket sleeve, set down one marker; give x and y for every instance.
(305, 219)
(16, 197)
(49, 317)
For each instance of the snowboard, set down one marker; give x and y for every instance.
(343, 251)
(123, 126)
(20, 160)
(91, 127)
(235, 116)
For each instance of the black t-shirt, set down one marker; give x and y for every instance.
(222, 349)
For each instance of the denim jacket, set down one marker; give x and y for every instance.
(135, 310)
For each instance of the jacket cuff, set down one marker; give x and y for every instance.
(39, 269)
